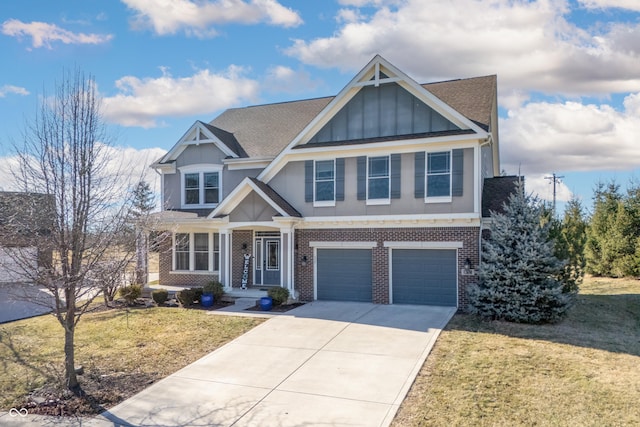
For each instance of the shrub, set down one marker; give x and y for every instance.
(214, 287)
(278, 295)
(130, 293)
(160, 296)
(186, 297)
(197, 294)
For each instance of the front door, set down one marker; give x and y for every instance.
(267, 261)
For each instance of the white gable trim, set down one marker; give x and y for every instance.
(196, 135)
(238, 194)
(363, 78)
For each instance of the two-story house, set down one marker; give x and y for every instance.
(375, 194)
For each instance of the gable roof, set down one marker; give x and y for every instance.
(263, 190)
(264, 130)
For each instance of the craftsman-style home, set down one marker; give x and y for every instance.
(375, 194)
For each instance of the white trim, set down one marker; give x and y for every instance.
(242, 190)
(379, 200)
(439, 199)
(324, 203)
(192, 137)
(247, 163)
(195, 272)
(477, 177)
(342, 245)
(200, 169)
(423, 245)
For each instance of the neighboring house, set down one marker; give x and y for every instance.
(24, 217)
(374, 195)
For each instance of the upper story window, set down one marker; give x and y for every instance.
(201, 185)
(325, 181)
(378, 178)
(439, 174)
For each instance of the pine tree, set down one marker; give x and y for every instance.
(570, 237)
(518, 277)
(600, 251)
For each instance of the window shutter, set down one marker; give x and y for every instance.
(419, 175)
(457, 171)
(362, 177)
(308, 181)
(395, 176)
(339, 179)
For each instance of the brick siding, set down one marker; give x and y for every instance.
(380, 254)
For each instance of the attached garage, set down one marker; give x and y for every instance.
(344, 274)
(424, 276)
(14, 261)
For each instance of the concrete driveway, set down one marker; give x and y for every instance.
(17, 302)
(325, 363)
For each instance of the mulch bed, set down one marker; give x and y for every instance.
(99, 391)
(277, 308)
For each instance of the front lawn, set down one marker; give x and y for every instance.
(584, 371)
(122, 353)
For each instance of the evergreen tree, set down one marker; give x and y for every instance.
(143, 205)
(600, 251)
(518, 277)
(570, 237)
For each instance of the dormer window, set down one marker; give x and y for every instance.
(201, 186)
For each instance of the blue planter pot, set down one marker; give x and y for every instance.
(206, 300)
(266, 303)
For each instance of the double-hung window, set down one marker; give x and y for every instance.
(378, 178)
(196, 252)
(325, 182)
(439, 175)
(181, 251)
(201, 186)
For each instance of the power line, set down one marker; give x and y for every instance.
(556, 180)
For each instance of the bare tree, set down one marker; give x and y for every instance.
(143, 205)
(65, 156)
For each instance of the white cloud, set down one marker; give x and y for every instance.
(541, 185)
(44, 35)
(128, 164)
(140, 102)
(570, 136)
(7, 89)
(197, 17)
(529, 44)
(284, 79)
(604, 4)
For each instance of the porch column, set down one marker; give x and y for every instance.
(288, 259)
(225, 258)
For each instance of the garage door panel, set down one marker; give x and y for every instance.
(425, 276)
(344, 274)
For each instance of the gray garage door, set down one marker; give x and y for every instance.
(424, 276)
(344, 274)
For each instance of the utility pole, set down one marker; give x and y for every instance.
(556, 180)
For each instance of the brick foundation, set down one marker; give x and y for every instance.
(380, 275)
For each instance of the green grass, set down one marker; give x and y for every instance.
(584, 371)
(122, 352)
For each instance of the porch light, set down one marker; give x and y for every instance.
(304, 260)
(244, 246)
(467, 264)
